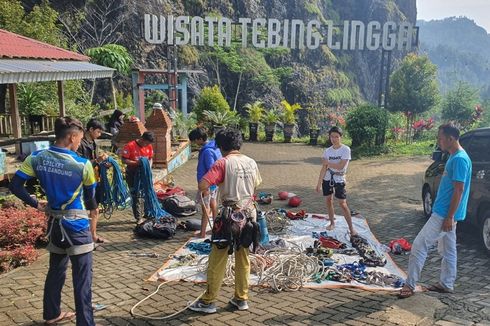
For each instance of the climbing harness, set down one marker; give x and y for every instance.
(115, 194)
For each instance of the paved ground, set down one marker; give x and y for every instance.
(386, 192)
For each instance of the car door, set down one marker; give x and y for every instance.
(479, 152)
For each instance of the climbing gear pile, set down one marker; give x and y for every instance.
(368, 254)
(201, 248)
(400, 246)
(115, 193)
(277, 222)
(330, 242)
(296, 216)
(264, 198)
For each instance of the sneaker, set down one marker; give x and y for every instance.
(201, 306)
(240, 304)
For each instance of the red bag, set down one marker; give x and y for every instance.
(165, 193)
(402, 243)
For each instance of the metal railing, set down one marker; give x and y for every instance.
(30, 125)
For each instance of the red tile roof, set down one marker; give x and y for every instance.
(16, 46)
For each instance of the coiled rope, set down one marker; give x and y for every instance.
(144, 186)
(115, 194)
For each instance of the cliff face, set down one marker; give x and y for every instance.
(319, 77)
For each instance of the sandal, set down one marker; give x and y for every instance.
(64, 316)
(405, 292)
(438, 288)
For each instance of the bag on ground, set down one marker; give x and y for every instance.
(162, 228)
(179, 205)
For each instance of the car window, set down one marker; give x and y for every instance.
(479, 150)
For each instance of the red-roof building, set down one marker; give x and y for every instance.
(25, 60)
(14, 46)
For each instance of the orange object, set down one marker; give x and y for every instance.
(283, 195)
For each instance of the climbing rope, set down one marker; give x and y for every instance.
(115, 194)
(144, 187)
(277, 222)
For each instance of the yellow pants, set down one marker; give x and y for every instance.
(216, 272)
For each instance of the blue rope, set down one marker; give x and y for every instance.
(201, 248)
(115, 194)
(144, 185)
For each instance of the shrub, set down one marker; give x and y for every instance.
(210, 99)
(367, 124)
(20, 230)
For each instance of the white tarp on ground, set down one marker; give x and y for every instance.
(299, 233)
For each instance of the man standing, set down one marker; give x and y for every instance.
(88, 150)
(208, 155)
(237, 176)
(131, 154)
(449, 208)
(332, 177)
(69, 183)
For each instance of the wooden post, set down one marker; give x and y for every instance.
(14, 111)
(141, 96)
(61, 98)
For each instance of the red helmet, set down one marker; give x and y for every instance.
(283, 195)
(294, 201)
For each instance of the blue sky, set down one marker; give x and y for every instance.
(478, 10)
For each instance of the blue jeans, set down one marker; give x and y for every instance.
(430, 234)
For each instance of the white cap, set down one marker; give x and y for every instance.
(157, 106)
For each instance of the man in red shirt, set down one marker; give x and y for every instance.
(131, 154)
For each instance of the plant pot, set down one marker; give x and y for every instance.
(314, 133)
(269, 131)
(288, 132)
(217, 128)
(253, 128)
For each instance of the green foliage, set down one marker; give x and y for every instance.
(282, 73)
(367, 124)
(271, 117)
(40, 23)
(255, 111)
(339, 97)
(157, 96)
(210, 99)
(183, 124)
(222, 118)
(414, 86)
(113, 56)
(459, 104)
(289, 112)
(32, 99)
(313, 116)
(78, 101)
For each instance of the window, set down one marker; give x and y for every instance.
(479, 150)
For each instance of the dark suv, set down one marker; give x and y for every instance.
(477, 145)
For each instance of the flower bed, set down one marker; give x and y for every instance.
(21, 230)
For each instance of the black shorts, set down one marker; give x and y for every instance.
(338, 188)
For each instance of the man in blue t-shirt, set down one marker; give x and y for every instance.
(208, 154)
(69, 183)
(448, 209)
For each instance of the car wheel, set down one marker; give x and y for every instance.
(485, 232)
(427, 202)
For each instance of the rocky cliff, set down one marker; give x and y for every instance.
(321, 77)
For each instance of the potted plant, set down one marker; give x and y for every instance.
(183, 124)
(289, 119)
(270, 119)
(313, 122)
(222, 119)
(255, 112)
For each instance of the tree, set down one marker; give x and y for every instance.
(210, 99)
(413, 88)
(459, 105)
(113, 56)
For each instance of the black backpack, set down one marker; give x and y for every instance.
(179, 205)
(163, 228)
